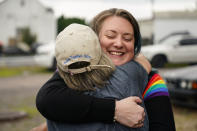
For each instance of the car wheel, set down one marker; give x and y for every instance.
(158, 61)
(193, 63)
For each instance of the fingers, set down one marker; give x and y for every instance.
(143, 115)
(128, 112)
(137, 100)
(42, 127)
(138, 125)
(140, 122)
(144, 62)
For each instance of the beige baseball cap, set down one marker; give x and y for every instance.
(78, 43)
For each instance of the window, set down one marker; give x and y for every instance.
(173, 40)
(190, 41)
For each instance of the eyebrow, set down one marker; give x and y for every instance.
(110, 31)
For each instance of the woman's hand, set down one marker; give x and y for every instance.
(129, 113)
(41, 127)
(141, 59)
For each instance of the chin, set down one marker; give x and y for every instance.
(117, 63)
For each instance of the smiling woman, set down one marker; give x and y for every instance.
(117, 41)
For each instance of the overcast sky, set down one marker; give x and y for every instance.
(141, 9)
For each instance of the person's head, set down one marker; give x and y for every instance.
(80, 59)
(119, 34)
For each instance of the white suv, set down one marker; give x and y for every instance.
(175, 49)
(45, 56)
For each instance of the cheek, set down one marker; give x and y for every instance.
(104, 48)
(130, 47)
(130, 52)
(104, 43)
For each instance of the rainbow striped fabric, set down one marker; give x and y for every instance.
(155, 87)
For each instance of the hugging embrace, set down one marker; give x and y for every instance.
(103, 82)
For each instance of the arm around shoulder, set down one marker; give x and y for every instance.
(55, 101)
(158, 105)
(160, 114)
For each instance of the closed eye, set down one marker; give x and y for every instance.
(110, 34)
(128, 37)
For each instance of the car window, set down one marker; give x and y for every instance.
(171, 40)
(191, 41)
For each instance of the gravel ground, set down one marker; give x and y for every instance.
(17, 93)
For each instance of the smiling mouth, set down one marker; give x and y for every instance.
(116, 53)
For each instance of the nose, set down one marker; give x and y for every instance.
(118, 42)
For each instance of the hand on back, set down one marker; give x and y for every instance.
(141, 59)
(129, 113)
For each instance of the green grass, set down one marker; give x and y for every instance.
(27, 105)
(31, 111)
(170, 65)
(14, 71)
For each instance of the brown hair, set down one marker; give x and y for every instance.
(98, 20)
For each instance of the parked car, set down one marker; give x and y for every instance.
(182, 85)
(45, 56)
(14, 51)
(174, 49)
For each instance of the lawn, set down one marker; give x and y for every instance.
(14, 71)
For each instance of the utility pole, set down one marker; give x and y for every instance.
(196, 4)
(153, 18)
(152, 9)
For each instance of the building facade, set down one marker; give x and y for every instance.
(166, 23)
(19, 14)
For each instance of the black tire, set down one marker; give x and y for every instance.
(193, 63)
(158, 61)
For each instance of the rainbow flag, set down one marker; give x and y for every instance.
(155, 87)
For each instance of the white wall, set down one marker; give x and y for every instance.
(32, 15)
(163, 27)
(146, 28)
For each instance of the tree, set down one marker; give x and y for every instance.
(64, 22)
(27, 36)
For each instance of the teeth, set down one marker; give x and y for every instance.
(116, 53)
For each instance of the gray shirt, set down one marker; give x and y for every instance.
(129, 79)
